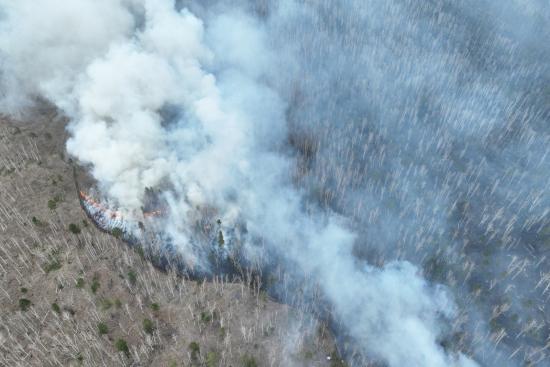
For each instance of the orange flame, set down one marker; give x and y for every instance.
(155, 213)
(115, 214)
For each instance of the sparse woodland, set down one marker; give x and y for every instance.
(71, 295)
(374, 175)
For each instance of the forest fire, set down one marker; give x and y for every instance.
(90, 202)
(109, 218)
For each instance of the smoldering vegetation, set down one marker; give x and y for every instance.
(388, 161)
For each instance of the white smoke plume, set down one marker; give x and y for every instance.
(115, 67)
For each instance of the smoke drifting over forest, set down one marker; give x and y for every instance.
(391, 155)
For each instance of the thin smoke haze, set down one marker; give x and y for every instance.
(381, 152)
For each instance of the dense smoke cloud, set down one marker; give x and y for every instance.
(349, 142)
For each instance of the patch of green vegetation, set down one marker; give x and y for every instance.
(271, 280)
(6, 172)
(52, 205)
(106, 304)
(140, 252)
(122, 346)
(24, 304)
(118, 304)
(248, 361)
(132, 277)
(156, 259)
(155, 307)
(221, 240)
(80, 283)
(117, 232)
(53, 265)
(74, 228)
(84, 222)
(212, 359)
(37, 222)
(24, 290)
(148, 326)
(269, 331)
(95, 284)
(195, 350)
(206, 317)
(79, 358)
(53, 202)
(102, 328)
(56, 308)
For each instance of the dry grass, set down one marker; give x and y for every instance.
(82, 297)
